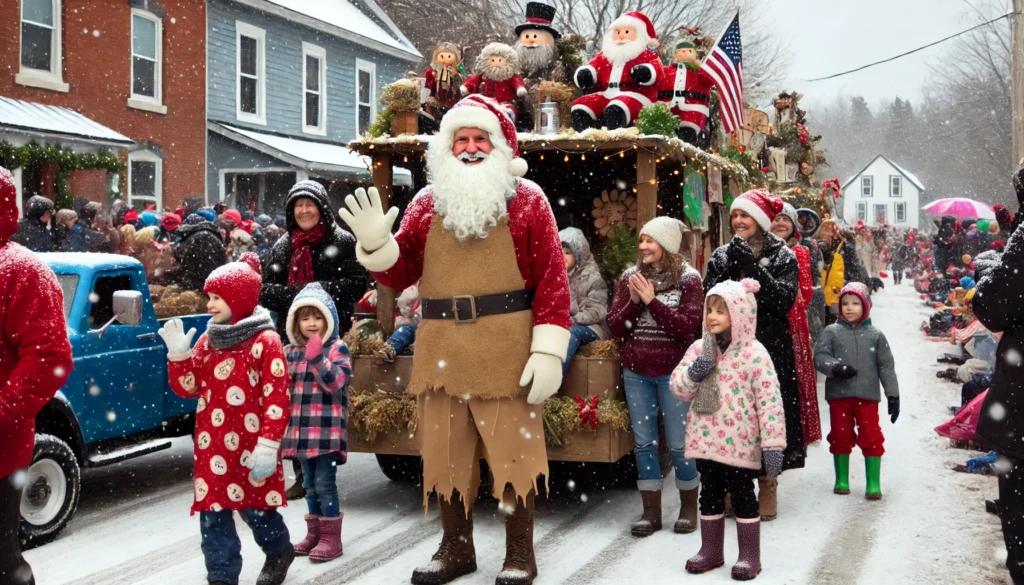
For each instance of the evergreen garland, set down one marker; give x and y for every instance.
(35, 155)
(618, 253)
(657, 119)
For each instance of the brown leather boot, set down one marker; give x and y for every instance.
(650, 521)
(456, 555)
(767, 498)
(520, 563)
(687, 521)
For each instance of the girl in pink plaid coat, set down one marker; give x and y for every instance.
(321, 368)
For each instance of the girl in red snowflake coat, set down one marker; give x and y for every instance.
(237, 370)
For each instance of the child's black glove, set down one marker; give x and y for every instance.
(894, 407)
(843, 371)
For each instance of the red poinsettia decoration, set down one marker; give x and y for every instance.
(802, 133)
(588, 410)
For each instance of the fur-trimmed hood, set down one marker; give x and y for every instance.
(313, 295)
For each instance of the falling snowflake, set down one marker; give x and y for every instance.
(583, 498)
(570, 484)
(1012, 357)
(997, 411)
(111, 415)
(94, 390)
(441, 364)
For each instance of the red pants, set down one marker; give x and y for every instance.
(629, 102)
(845, 413)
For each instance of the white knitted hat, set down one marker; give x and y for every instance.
(667, 231)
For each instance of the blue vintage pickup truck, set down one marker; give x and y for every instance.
(117, 403)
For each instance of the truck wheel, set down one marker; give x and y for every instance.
(50, 497)
(401, 467)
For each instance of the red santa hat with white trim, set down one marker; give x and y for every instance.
(760, 205)
(641, 23)
(477, 111)
(239, 284)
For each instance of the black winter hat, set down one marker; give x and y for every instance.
(37, 206)
(310, 190)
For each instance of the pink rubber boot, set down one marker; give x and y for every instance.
(303, 547)
(329, 547)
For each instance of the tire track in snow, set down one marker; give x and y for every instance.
(132, 571)
(611, 554)
(849, 545)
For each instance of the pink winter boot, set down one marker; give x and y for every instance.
(329, 547)
(303, 547)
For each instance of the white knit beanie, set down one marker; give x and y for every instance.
(667, 231)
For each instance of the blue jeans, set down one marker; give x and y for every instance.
(222, 549)
(403, 337)
(578, 335)
(319, 476)
(645, 397)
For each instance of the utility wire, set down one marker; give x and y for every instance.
(861, 68)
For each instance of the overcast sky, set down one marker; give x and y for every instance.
(830, 36)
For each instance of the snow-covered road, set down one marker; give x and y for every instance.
(133, 524)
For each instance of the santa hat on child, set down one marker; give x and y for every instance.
(859, 290)
(760, 205)
(667, 231)
(643, 25)
(477, 111)
(239, 284)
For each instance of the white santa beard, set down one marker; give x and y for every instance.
(503, 73)
(621, 54)
(470, 198)
(534, 57)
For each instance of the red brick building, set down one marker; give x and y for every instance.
(137, 67)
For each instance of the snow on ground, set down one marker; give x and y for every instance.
(133, 524)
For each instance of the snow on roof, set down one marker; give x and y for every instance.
(68, 262)
(910, 176)
(312, 156)
(45, 120)
(346, 16)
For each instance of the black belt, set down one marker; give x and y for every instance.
(693, 95)
(613, 85)
(467, 308)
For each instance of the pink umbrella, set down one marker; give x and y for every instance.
(960, 208)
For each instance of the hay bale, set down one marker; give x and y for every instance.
(401, 96)
(607, 350)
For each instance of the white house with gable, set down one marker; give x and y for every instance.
(882, 193)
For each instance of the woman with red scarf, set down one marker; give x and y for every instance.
(315, 249)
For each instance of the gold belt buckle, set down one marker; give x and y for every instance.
(472, 308)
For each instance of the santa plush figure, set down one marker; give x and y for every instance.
(687, 90)
(494, 332)
(497, 77)
(624, 76)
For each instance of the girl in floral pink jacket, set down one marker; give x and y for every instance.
(735, 423)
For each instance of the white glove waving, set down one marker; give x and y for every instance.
(546, 372)
(263, 461)
(173, 334)
(366, 218)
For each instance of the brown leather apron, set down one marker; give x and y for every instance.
(466, 375)
(484, 359)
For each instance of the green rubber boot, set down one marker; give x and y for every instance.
(873, 467)
(842, 463)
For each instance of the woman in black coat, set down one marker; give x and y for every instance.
(198, 253)
(331, 257)
(754, 252)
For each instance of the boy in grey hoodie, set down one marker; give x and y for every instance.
(588, 293)
(856, 358)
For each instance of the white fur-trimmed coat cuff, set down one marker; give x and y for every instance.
(179, 357)
(268, 443)
(380, 260)
(550, 339)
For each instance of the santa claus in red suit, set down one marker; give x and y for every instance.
(484, 246)
(498, 67)
(687, 90)
(624, 76)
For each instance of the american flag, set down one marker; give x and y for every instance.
(725, 65)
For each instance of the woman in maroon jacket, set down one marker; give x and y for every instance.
(656, 315)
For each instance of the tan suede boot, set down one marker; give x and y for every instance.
(767, 498)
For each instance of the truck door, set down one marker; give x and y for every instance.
(124, 366)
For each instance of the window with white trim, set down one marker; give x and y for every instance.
(901, 212)
(145, 178)
(251, 68)
(40, 38)
(867, 186)
(147, 56)
(314, 89)
(895, 186)
(366, 95)
(862, 211)
(881, 214)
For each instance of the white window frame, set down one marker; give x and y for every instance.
(875, 208)
(144, 102)
(862, 210)
(17, 190)
(311, 50)
(147, 156)
(867, 186)
(52, 79)
(370, 67)
(901, 209)
(243, 29)
(895, 186)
